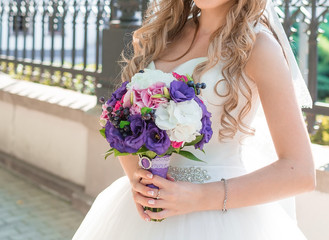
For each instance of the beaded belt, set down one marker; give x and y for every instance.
(189, 174)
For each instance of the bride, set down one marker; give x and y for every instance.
(238, 48)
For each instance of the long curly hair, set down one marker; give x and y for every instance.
(232, 43)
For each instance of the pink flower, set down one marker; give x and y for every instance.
(117, 106)
(146, 95)
(105, 115)
(180, 77)
(126, 100)
(143, 98)
(176, 144)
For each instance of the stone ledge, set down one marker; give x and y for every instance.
(49, 182)
(49, 99)
(322, 181)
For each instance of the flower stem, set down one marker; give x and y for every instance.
(155, 210)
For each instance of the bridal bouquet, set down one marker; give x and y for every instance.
(153, 116)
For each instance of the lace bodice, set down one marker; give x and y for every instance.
(218, 153)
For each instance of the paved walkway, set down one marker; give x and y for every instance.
(29, 213)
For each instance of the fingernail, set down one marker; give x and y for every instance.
(150, 193)
(150, 175)
(151, 201)
(147, 219)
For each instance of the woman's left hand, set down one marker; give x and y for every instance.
(175, 198)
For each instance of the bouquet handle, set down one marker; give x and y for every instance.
(157, 166)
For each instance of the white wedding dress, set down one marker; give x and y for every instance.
(113, 215)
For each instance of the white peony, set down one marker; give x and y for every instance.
(181, 120)
(189, 112)
(164, 116)
(150, 77)
(183, 133)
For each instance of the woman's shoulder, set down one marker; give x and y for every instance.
(266, 52)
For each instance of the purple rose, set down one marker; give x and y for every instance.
(206, 129)
(157, 140)
(116, 140)
(114, 137)
(180, 92)
(138, 137)
(117, 95)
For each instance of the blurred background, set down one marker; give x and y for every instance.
(57, 58)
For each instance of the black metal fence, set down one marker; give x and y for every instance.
(60, 41)
(54, 41)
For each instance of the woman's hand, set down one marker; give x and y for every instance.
(139, 189)
(175, 198)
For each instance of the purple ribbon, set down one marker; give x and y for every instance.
(159, 166)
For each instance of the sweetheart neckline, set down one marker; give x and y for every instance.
(179, 65)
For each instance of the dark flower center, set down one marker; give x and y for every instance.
(157, 137)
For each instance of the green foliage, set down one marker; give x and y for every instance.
(190, 156)
(146, 110)
(52, 78)
(323, 53)
(124, 123)
(102, 132)
(323, 67)
(322, 134)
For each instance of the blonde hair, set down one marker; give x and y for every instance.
(232, 43)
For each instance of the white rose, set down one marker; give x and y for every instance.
(150, 77)
(164, 116)
(183, 133)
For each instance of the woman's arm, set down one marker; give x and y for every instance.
(292, 173)
(129, 164)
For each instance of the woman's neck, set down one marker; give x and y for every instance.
(211, 19)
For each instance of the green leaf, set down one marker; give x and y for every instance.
(157, 96)
(195, 141)
(150, 154)
(124, 123)
(108, 153)
(145, 110)
(142, 150)
(169, 151)
(117, 153)
(190, 156)
(102, 132)
(131, 98)
(166, 92)
(110, 150)
(189, 77)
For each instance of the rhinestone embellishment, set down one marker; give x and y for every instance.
(189, 174)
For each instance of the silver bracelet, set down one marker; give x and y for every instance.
(225, 198)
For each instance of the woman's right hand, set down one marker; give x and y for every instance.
(139, 189)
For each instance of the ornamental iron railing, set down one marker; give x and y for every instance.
(59, 42)
(309, 15)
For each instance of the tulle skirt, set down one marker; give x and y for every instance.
(113, 216)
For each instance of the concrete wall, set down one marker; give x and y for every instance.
(55, 130)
